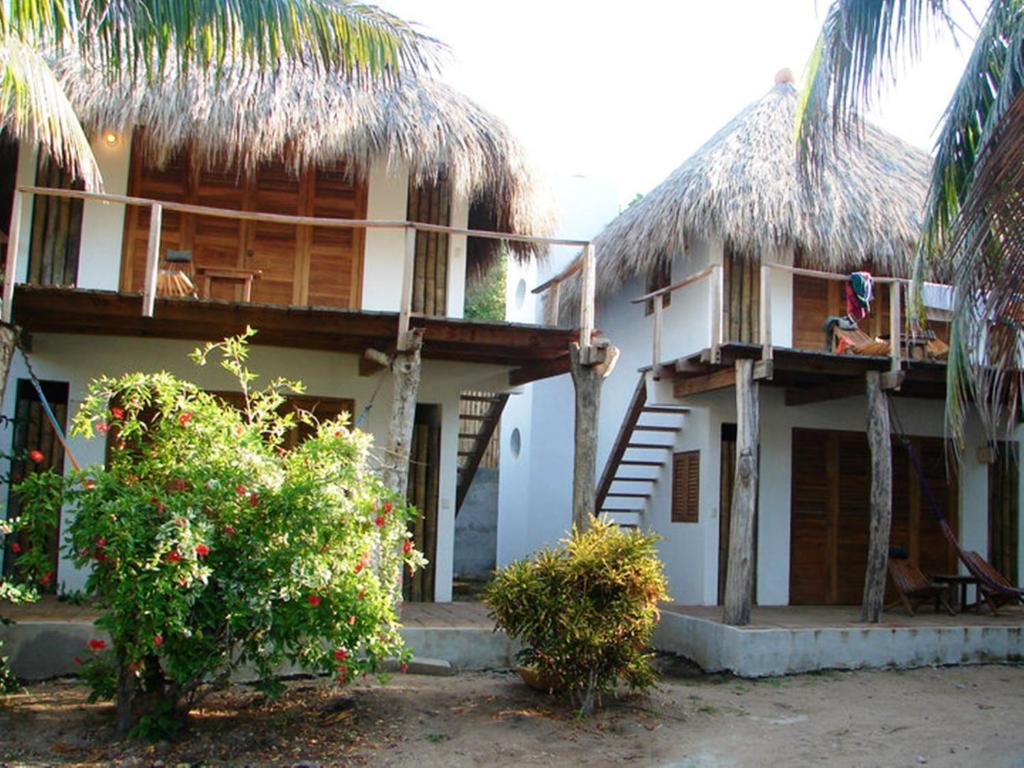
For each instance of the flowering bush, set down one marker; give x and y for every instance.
(213, 548)
(585, 611)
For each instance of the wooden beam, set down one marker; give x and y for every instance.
(706, 383)
(551, 304)
(764, 370)
(831, 391)
(11, 268)
(715, 307)
(588, 285)
(892, 380)
(739, 580)
(896, 325)
(534, 371)
(766, 312)
(587, 381)
(880, 507)
(659, 306)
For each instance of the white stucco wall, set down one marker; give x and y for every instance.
(78, 359)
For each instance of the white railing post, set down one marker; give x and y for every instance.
(659, 305)
(156, 215)
(766, 313)
(11, 268)
(405, 305)
(895, 325)
(587, 290)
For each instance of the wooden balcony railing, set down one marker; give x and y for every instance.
(22, 195)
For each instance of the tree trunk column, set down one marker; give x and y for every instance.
(589, 366)
(406, 369)
(739, 580)
(881, 499)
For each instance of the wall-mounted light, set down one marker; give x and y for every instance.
(111, 139)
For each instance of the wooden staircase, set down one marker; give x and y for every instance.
(618, 492)
(483, 410)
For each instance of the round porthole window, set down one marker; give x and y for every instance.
(520, 293)
(515, 443)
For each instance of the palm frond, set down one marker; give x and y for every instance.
(358, 41)
(858, 49)
(35, 109)
(986, 245)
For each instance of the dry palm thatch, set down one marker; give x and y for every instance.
(307, 117)
(743, 187)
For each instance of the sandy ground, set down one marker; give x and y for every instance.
(970, 716)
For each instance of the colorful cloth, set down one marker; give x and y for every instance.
(859, 293)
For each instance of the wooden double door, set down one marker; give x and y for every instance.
(831, 483)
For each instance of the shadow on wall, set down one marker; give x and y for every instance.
(476, 528)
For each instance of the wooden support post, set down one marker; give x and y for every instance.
(659, 306)
(588, 283)
(895, 324)
(551, 303)
(589, 371)
(766, 313)
(739, 580)
(880, 510)
(156, 215)
(405, 302)
(406, 369)
(716, 305)
(11, 268)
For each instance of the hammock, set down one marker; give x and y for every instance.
(977, 567)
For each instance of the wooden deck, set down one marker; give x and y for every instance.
(848, 617)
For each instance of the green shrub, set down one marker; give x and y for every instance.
(585, 611)
(212, 547)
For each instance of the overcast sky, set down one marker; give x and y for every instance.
(616, 95)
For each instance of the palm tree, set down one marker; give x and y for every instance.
(973, 231)
(162, 38)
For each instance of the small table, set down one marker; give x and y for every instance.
(232, 274)
(953, 580)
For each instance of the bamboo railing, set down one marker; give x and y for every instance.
(157, 207)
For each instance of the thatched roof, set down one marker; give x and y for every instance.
(742, 186)
(308, 117)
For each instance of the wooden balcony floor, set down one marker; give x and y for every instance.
(533, 351)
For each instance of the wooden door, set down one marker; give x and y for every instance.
(423, 493)
(1003, 510)
(34, 432)
(272, 248)
(726, 479)
(334, 265)
(831, 482)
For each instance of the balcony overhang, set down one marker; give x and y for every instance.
(531, 352)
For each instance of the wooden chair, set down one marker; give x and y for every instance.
(987, 575)
(914, 588)
(175, 275)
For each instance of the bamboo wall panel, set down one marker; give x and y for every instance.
(831, 484)
(430, 203)
(56, 229)
(742, 292)
(423, 493)
(299, 265)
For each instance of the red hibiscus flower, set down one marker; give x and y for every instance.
(88, 483)
(359, 566)
(97, 645)
(379, 522)
(132, 667)
(254, 499)
(241, 490)
(404, 667)
(78, 661)
(16, 548)
(36, 456)
(361, 595)
(387, 507)
(174, 556)
(179, 484)
(101, 542)
(158, 640)
(101, 427)
(342, 674)
(351, 619)
(45, 579)
(407, 546)
(314, 600)
(341, 654)
(117, 413)
(229, 531)
(185, 418)
(202, 550)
